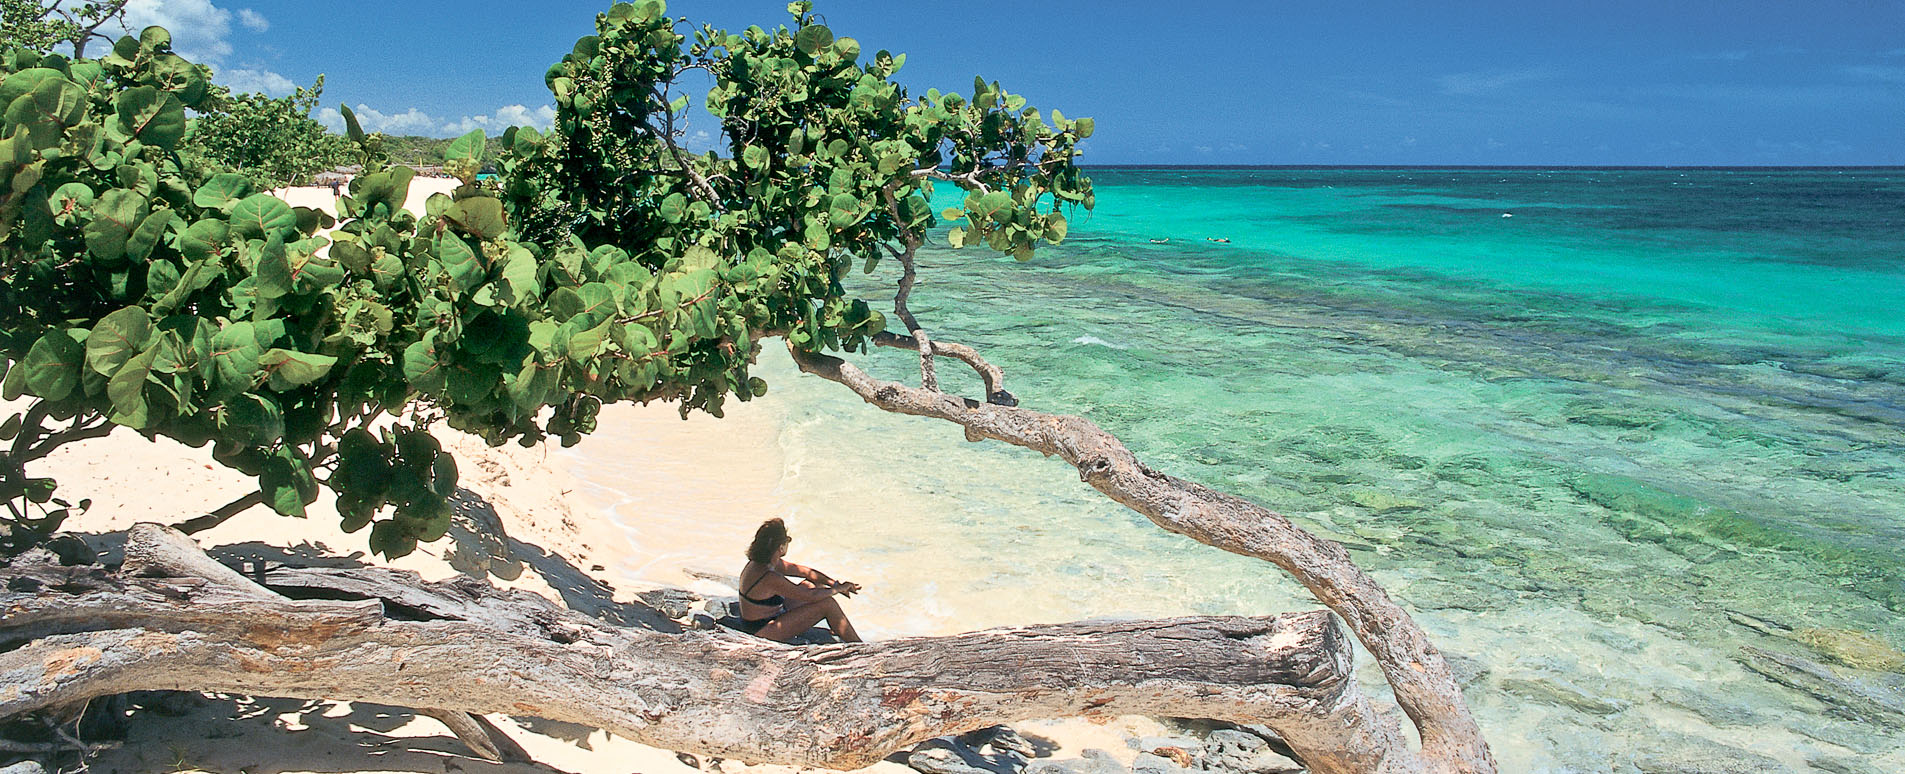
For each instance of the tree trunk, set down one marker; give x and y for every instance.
(1424, 686)
(174, 619)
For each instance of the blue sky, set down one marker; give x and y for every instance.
(1530, 82)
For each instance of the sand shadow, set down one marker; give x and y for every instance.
(481, 547)
(277, 736)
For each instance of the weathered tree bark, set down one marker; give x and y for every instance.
(1423, 685)
(174, 619)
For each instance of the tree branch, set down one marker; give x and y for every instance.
(928, 380)
(220, 515)
(1420, 677)
(993, 375)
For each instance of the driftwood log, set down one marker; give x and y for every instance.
(173, 618)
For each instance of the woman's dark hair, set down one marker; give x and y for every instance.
(768, 539)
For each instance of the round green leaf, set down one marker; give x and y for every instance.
(51, 367)
(480, 217)
(755, 156)
(674, 207)
(222, 190)
(155, 38)
(154, 117)
(116, 338)
(46, 111)
(843, 211)
(812, 38)
(261, 215)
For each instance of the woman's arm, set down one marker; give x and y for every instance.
(790, 569)
(801, 593)
(818, 578)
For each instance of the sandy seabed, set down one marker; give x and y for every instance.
(524, 522)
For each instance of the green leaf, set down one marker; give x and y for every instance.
(755, 156)
(843, 211)
(480, 217)
(155, 38)
(352, 129)
(76, 195)
(816, 235)
(202, 239)
(287, 483)
(421, 368)
(992, 202)
(53, 105)
(252, 419)
(286, 369)
(140, 243)
(196, 277)
(127, 387)
(812, 38)
(19, 84)
(235, 351)
(469, 146)
(389, 188)
(1056, 228)
(115, 214)
(116, 338)
(220, 192)
(674, 207)
(531, 387)
(154, 117)
(956, 237)
(52, 366)
(1083, 127)
(272, 278)
(458, 261)
(519, 278)
(259, 216)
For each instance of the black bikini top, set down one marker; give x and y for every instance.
(773, 601)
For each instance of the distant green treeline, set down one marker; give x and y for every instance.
(428, 151)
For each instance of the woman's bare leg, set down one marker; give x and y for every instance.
(787, 625)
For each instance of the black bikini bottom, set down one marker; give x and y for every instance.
(755, 627)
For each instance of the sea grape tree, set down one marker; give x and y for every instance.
(43, 25)
(608, 264)
(271, 140)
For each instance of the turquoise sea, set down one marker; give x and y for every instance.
(1601, 430)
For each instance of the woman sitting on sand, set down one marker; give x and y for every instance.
(777, 608)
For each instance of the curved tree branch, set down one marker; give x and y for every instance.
(993, 375)
(1423, 684)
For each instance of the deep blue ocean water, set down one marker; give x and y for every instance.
(1600, 430)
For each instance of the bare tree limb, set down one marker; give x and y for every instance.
(909, 274)
(994, 377)
(220, 515)
(1420, 677)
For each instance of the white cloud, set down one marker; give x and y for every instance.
(412, 121)
(252, 20)
(246, 80)
(199, 28)
(1480, 83)
(507, 116)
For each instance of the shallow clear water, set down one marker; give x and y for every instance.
(1594, 446)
